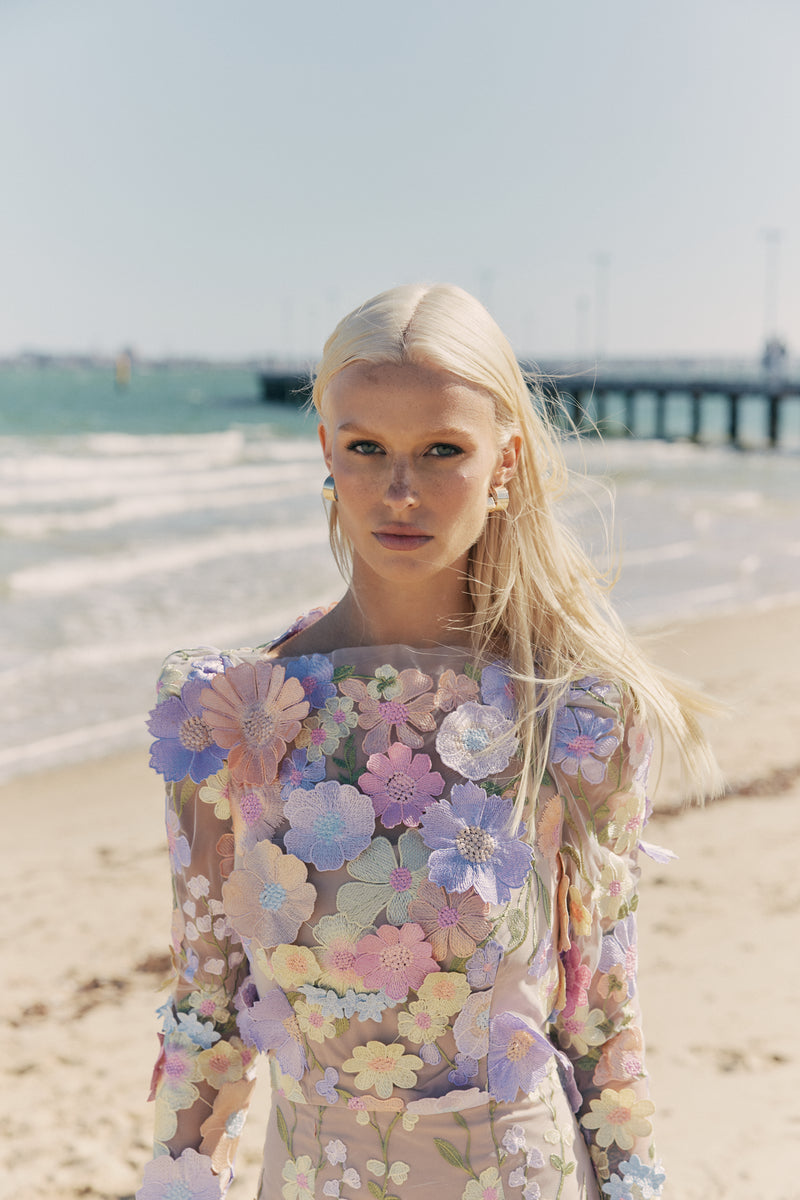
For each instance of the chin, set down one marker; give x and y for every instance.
(406, 568)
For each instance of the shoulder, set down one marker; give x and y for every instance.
(597, 724)
(307, 634)
(200, 664)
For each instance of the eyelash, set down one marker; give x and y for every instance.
(357, 447)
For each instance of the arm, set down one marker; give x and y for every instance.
(204, 1074)
(600, 758)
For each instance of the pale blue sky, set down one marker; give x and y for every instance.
(228, 177)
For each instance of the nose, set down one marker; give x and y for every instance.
(400, 490)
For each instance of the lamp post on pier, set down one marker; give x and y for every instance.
(774, 351)
(601, 266)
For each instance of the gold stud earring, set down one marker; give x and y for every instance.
(329, 490)
(497, 500)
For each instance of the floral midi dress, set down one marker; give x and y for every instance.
(447, 1002)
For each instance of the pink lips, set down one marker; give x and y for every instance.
(401, 537)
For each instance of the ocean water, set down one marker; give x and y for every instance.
(185, 512)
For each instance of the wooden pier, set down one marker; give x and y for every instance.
(589, 398)
(611, 403)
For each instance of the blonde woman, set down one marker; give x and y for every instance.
(404, 836)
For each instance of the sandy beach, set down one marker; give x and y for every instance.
(85, 952)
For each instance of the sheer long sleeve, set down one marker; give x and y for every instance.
(204, 1074)
(600, 757)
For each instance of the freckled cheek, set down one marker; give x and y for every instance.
(354, 488)
(467, 498)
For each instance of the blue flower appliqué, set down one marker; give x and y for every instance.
(471, 844)
(331, 823)
(185, 744)
(497, 688)
(326, 1087)
(315, 673)
(619, 947)
(298, 772)
(583, 742)
(649, 1179)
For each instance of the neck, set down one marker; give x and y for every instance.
(378, 612)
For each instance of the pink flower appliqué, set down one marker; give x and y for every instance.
(253, 711)
(622, 1058)
(267, 899)
(453, 923)
(401, 785)
(578, 978)
(411, 704)
(454, 690)
(394, 960)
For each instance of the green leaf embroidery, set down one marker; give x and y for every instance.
(181, 796)
(375, 1189)
(570, 851)
(516, 923)
(449, 1153)
(283, 1129)
(340, 673)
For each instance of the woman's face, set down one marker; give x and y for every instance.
(413, 451)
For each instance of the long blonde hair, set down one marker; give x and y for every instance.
(536, 596)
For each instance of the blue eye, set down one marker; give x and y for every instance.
(444, 450)
(364, 447)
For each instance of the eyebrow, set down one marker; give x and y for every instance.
(437, 434)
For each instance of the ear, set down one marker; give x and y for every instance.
(507, 460)
(325, 442)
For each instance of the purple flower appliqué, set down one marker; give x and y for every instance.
(619, 946)
(298, 772)
(518, 1057)
(482, 967)
(466, 1068)
(582, 743)
(472, 846)
(190, 1175)
(591, 686)
(497, 689)
(208, 666)
(315, 673)
(326, 1087)
(185, 744)
(329, 824)
(401, 785)
(246, 995)
(270, 1024)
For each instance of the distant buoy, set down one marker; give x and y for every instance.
(122, 369)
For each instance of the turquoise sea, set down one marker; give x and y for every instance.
(184, 511)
